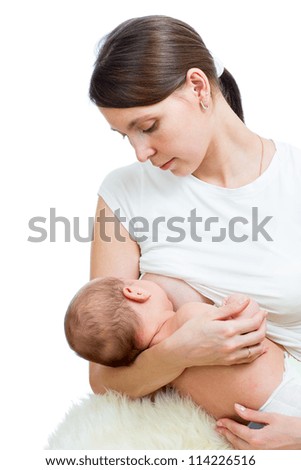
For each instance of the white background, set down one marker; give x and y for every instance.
(56, 149)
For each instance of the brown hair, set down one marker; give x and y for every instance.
(100, 326)
(144, 60)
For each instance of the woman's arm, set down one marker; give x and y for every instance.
(114, 253)
(152, 369)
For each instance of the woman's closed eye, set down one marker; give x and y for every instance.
(151, 129)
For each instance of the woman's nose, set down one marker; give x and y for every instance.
(143, 152)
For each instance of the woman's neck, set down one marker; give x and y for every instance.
(235, 155)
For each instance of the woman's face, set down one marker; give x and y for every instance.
(173, 134)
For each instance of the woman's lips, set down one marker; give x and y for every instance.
(167, 165)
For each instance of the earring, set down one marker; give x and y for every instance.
(204, 106)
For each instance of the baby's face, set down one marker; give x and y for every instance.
(152, 312)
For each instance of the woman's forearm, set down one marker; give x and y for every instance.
(152, 369)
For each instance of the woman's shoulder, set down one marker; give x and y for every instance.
(288, 151)
(121, 190)
(289, 158)
(123, 178)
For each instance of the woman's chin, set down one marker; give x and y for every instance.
(180, 172)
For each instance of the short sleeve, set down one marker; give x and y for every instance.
(121, 191)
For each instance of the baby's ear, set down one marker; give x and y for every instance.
(135, 293)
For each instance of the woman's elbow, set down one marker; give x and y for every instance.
(94, 380)
(96, 389)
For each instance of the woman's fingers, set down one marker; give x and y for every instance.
(252, 338)
(248, 347)
(241, 325)
(249, 354)
(249, 331)
(239, 435)
(231, 309)
(244, 337)
(252, 415)
(235, 441)
(247, 325)
(240, 430)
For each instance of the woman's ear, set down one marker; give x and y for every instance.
(135, 293)
(198, 82)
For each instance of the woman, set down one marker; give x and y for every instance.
(156, 83)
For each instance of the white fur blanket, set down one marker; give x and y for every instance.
(113, 421)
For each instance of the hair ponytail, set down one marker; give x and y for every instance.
(231, 93)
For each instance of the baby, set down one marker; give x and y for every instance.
(110, 321)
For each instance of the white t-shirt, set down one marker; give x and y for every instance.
(220, 240)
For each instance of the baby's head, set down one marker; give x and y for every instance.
(110, 320)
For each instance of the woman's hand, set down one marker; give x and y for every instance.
(211, 338)
(280, 432)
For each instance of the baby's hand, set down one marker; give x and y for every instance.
(251, 309)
